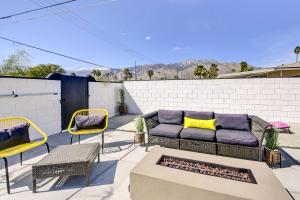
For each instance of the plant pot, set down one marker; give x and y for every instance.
(139, 137)
(272, 156)
(123, 109)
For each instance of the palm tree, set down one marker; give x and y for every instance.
(96, 72)
(245, 67)
(213, 71)
(297, 51)
(199, 71)
(127, 74)
(150, 73)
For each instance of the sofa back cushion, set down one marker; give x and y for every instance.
(199, 115)
(233, 121)
(170, 116)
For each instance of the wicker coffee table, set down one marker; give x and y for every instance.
(66, 160)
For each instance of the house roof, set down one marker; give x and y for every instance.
(254, 73)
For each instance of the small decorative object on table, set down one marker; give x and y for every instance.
(123, 109)
(272, 153)
(140, 134)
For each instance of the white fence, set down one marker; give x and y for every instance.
(104, 95)
(36, 100)
(269, 98)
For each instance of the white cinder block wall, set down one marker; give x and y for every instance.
(269, 98)
(43, 110)
(104, 95)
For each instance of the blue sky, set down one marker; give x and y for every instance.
(115, 33)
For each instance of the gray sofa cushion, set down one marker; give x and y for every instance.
(233, 121)
(166, 130)
(199, 115)
(170, 116)
(236, 137)
(198, 134)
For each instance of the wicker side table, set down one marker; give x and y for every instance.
(66, 160)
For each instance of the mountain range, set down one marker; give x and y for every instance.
(183, 69)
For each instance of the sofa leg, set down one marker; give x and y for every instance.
(21, 159)
(7, 175)
(147, 146)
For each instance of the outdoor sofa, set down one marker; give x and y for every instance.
(236, 135)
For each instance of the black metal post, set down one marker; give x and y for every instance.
(71, 139)
(79, 138)
(7, 175)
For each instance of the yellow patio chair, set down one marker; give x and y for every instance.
(19, 149)
(88, 112)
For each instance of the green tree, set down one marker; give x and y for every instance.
(43, 70)
(201, 72)
(150, 73)
(245, 67)
(73, 74)
(297, 51)
(15, 64)
(96, 72)
(127, 74)
(213, 71)
(176, 77)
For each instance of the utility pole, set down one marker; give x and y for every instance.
(135, 70)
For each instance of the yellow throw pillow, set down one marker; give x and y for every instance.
(200, 123)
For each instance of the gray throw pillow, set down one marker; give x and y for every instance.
(199, 115)
(89, 122)
(14, 136)
(170, 116)
(4, 137)
(233, 121)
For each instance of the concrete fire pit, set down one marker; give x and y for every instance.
(157, 177)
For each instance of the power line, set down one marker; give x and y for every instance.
(90, 5)
(84, 25)
(37, 9)
(48, 51)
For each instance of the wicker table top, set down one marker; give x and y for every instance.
(69, 154)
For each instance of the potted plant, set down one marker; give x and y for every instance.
(140, 135)
(272, 154)
(122, 105)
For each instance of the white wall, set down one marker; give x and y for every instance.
(269, 98)
(43, 110)
(104, 95)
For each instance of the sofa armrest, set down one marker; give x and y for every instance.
(151, 120)
(259, 128)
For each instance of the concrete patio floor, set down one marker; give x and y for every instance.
(110, 177)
